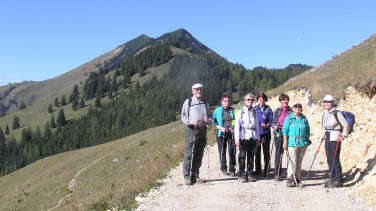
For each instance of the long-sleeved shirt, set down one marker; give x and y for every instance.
(297, 130)
(197, 111)
(278, 116)
(217, 118)
(246, 124)
(264, 115)
(331, 125)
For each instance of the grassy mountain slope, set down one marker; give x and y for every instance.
(144, 157)
(356, 66)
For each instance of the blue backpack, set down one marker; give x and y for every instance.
(350, 118)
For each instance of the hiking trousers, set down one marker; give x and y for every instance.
(225, 143)
(246, 152)
(265, 143)
(335, 168)
(198, 137)
(278, 154)
(296, 155)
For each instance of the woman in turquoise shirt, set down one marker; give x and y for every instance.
(296, 133)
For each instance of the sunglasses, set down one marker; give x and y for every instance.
(325, 101)
(249, 99)
(298, 106)
(197, 89)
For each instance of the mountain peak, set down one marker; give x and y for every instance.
(183, 36)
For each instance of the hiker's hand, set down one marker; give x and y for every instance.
(340, 138)
(223, 130)
(323, 138)
(263, 125)
(284, 145)
(258, 143)
(206, 120)
(195, 122)
(237, 143)
(267, 125)
(275, 127)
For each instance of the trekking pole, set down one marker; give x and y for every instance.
(193, 149)
(234, 146)
(305, 179)
(207, 145)
(223, 142)
(270, 158)
(293, 167)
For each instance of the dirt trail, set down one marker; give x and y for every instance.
(72, 183)
(226, 193)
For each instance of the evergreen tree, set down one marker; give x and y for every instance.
(56, 102)
(52, 122)
(98, 103)
(26, 136)
(7, 130)
(16, 123)
(2, 141)
(114, 86)
(22, 105)
(47, 130)
(82, 102)
(63, 101)
(50, 109)
(60, 121)
(74, 104)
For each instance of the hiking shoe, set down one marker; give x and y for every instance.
(336, 184)
(225, 173)
(277, 178)
(187, 182)
(328, 184)
(290, 183)
(242, 179)
(199, 180)
(233, 174)
(251, 179)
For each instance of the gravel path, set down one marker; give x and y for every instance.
(226, 193)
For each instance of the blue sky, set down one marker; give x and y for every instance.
(43, 39)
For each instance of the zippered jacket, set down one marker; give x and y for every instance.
(217, 117)
(265, 116)
(246, 124)
(297, 130)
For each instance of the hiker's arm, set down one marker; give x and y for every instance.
(285, 142)
(184, 114)
(346, 128)
(270, 117)
(209, 114)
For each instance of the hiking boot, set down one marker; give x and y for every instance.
(290, 183)
(225, 173)
(277, 178)
(187, 182)
(242, 179)
(336, 184)
(328, 184)
(199, 180)
(256, 173)
(251, 178)
(233, 174)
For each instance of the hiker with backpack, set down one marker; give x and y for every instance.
(336, 129)
(296, 132)
(265, 117)
(223, 119)
(196, 115)
(246, 137)
(279, 117)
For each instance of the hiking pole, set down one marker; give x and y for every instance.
(207, 145)
(305, 179)
(193, 149)
(221, 157)
(270, 158)
(293, 167)
(234, 146)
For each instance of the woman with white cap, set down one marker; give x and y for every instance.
(336, 130)
(296, 132)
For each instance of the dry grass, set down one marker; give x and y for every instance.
(355, 66)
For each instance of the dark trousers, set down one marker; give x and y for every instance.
(198, 137)
(247, 149)
(265, 142)
(278, 154)
(335, 168)
(224, 142)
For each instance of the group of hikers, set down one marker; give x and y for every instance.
(249, 128)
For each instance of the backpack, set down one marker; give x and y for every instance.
(350, 118)
(190, 103)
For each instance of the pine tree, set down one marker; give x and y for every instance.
(63, 101)
(82, 102)
(22, 105)
(60, 121)
(16, 123)
(56, 102)
(47, 130)
(2, 141)
(7, 130)
(98, 103)
(52, 122)
(50, 109)
(114, 86)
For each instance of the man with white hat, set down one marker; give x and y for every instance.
(195, 115)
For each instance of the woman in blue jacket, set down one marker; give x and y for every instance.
(296, 133)
(223, 119)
